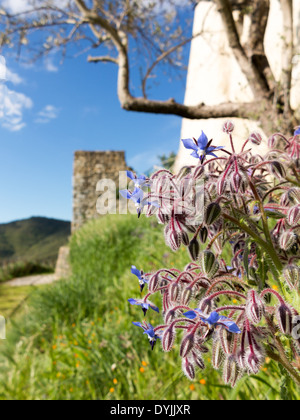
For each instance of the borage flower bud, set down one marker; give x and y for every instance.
(228, 127)
(230, 370)
(197, 360)
(294, 195)
(235, 182)
(225, 340)
(254, 359)
(187, 344)
(208, 263)
(154, 282)
(170, 315)
(255, 138)
(188, 368)
(213, 212)
(284, 316)
(186, 296)
(294, 215)
(194, 249)
(291, 274)
(217, 355)
(203, 234)
(277, 169)
(287, 240)
(255, 307)
(185, 238)
(206, 306)
(173, 238)
(221, 185)
(168, 338)
(174, 291)
(284, 199)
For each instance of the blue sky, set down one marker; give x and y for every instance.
(54, 110)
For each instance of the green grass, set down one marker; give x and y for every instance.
(12, 298)
(75, 338)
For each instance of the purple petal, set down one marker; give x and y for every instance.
(131, 175)
(135, 271)
(190, 314)
(189, 144)
(126, 194)
(202, 141)
(138, 324)
(213, 318)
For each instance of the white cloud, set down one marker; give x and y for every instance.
(47, 114)
(16, 6)
(13, 77)
(49, 64)
(12, 107)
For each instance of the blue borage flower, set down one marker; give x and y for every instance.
(137, 196)
(201, 147)
(145, 305)
(140, 276)
(297, 132)
(214, 320)
(148, 329)
(140, 181)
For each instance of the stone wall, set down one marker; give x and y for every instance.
(89, 169)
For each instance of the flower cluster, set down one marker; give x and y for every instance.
(249, 206)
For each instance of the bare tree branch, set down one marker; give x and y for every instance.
(256, 47)
(104, 59)
(256, 82)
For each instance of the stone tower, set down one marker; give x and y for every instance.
(89, 169)
(214, 76)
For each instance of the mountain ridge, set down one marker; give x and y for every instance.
(34, 239)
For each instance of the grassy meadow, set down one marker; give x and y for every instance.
(75, 340)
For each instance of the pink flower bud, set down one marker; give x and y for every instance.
(188, 368)
(168, 338)
(217, 355)
(154, 282)
(294, 215)
(255, 307)
(187, 344)
(291, 274)
(174, 291)
(277, 169)
(287, 240)
(255, 138)
(284, 316)
(228, 127)
(294, 195)
(197, 360)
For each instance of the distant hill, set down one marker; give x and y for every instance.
(37, 239)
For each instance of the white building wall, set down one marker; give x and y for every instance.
(214, 76)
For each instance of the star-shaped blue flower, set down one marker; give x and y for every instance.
(148, 329)
(297, 132)
(144, 305)
(201, 147)
(140, 181)
(140, 276)
(214, 320)
(137, 196)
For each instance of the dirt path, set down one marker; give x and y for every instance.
(32, 280)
